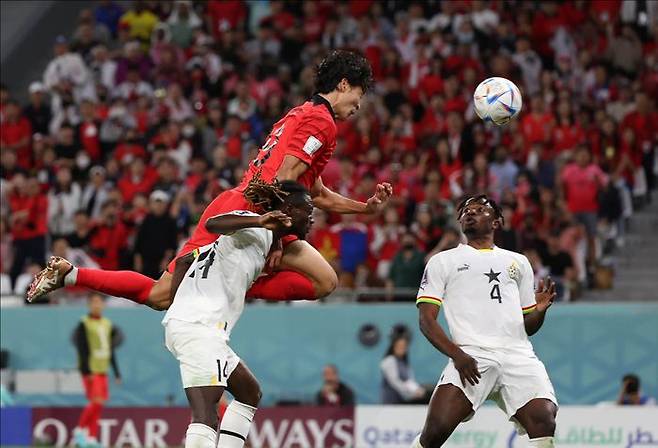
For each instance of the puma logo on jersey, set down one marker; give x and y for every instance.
(463, 267)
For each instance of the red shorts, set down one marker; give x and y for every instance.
(226, 202)
(96, 386)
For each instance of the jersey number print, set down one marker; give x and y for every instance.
(495, 289)
(270, 143)
(495, 294)
(222, 371)
(208, 257)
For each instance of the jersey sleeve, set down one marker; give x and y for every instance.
(310, 138)
(432, 285)
(527, 287)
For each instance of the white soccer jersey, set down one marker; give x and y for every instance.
(214, 287)
(484, 293)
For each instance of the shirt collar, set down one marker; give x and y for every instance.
(317, 99)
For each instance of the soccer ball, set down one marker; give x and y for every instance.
(497, 100)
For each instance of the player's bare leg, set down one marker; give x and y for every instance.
(59, 272)
(303, 274)
(303, 270)
(301, 257)
(538, 418)
(447, 409)
(203, 401)
(238, 416)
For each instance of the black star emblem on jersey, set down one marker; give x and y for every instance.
(493, 276)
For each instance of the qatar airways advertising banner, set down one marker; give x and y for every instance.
(165, 427)
(315, 427)
(123, 427)
(577, 427)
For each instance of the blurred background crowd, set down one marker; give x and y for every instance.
(149, 109)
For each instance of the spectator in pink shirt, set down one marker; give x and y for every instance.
(582, 181)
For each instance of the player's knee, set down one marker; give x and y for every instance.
(326, 284)
(434, 437)
(160, 306)
(255, 396)
(545, 426)
(160, 296)
(542, 425)
(205, 416)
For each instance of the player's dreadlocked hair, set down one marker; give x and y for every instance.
(341, 64)
(481, 199)
(270, 196)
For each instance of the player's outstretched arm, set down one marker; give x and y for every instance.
(465, 364)
(229, 223)
(331, 201)
(544, 297)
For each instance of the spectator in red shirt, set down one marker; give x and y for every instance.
(136, 180)
(108, 237)
(537, 125)
(225, 15)
(16, 133)
(28, 221)
(582, 181)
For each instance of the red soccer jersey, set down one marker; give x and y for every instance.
(307, 132)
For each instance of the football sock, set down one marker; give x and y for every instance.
(128, 284)
(235, 425)
(542, 442)
(199, 435)
(90, 417)
(282, 285)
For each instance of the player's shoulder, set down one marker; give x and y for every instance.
(514, 256)
(318, 110)
(445, 256)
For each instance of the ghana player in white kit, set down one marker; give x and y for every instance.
(209, 288)
(491, 307)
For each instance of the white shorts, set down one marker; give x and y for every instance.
(204, 356)
(511, 379)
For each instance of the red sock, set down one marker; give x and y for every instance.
(83, 422)
(128, 284)
(92, 424)
(282, 285)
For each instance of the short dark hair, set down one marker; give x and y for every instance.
(632, 383)
(340, 64)
(484, 200)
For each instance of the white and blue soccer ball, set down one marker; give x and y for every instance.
(497, 100)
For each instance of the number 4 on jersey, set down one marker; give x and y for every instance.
(495, 293)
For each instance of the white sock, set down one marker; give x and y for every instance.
(542, 442)
(71, 277)
(199, 435)
(416, 442)
(235, 425)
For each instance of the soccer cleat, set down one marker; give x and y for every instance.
(49, 279)
(80, 438)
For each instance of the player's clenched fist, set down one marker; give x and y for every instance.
(467, 367)
(272, 220)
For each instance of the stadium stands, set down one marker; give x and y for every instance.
(178, 97)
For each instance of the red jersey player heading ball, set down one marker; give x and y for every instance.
(298, 148)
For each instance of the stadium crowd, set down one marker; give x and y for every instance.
(144, 115)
